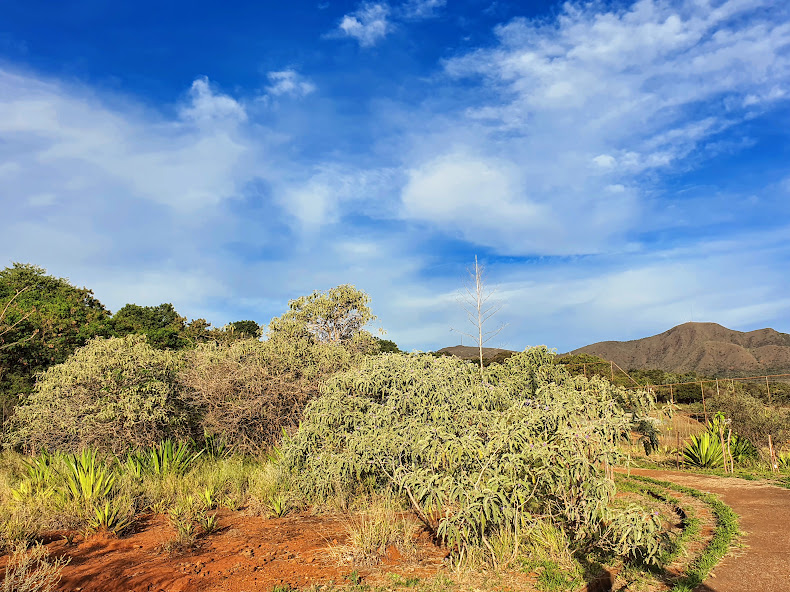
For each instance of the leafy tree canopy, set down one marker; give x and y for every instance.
(46, 320)
(162, 325)
(387, 346)
(336, 316)
(245, 328)
(143, 319)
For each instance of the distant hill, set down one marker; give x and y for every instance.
(468, 352)
(705, 348)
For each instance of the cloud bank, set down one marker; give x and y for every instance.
(564, 153)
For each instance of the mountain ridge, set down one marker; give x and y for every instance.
(705, 348)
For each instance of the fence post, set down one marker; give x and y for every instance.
(774, 465)
(704, 409)
(677, 447)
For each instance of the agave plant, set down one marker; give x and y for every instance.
(741, 449)
(171, 458)
(87, 478)
(109, 517)
(40, 480)
(704, 451)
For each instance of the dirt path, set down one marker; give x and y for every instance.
(763, 564)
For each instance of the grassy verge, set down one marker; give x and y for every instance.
(690, 521)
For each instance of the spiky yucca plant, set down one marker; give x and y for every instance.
(704, 451)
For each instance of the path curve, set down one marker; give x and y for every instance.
(763, 564)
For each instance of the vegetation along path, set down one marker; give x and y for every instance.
(764, 514)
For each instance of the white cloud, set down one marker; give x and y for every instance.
(289, 82)
(369, 24)
(206, 106)
(63, 141)
(420, 9)
(589, 108)
(321, 199)
(605, 161)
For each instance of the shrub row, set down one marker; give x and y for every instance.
(120, 393)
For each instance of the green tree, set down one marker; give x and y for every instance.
(45, 319)
(162, 324)
(387, 346)
(245, 328)
(336, 316)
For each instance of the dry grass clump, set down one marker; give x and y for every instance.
(375, 531)
(32, 570)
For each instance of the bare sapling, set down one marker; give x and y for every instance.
(476, 302)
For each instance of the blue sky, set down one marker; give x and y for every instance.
(619, 168)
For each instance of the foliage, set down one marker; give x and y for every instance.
(47, 319)
(110, 517)
(87, 479)
(475, 459)
(387, 346)
(162, 325)
(591, 365)
(752, 418)
(32, 570)
(704, 451)
(371, 532)
(112, 394)
(245, 329)
(335, 316)
(166, 458)
(186, 516)
(248, 391)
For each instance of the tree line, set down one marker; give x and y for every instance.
(45, 319)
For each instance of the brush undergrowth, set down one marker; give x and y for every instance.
(32, 570)
(477, 461)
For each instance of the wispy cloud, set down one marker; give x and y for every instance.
(289, 82)
(563, 112)
(551, 153)
(419, 9)
(369, 24)
(63, 141)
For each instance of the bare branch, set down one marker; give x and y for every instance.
(478, 312)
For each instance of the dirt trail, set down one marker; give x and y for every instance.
(763, 564)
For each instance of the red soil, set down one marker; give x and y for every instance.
(247, 553)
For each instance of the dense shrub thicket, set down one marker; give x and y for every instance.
(751, 417)
(478, 461)
(111, 394)
(245, 393)
(121, 393)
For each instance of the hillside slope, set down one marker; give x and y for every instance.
(705, 348)
(468, 352)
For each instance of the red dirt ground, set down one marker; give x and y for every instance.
(247, 553)
(253, 553)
